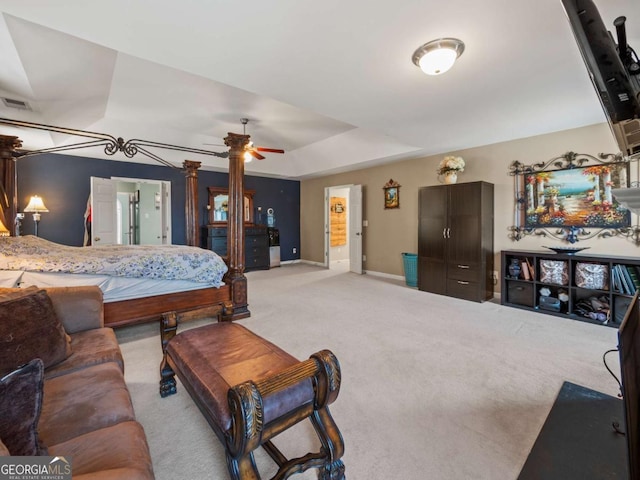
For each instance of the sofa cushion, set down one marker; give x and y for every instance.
(111, 453)
(20, 404)
(29, 328)
(83, 401)
(78, 308)
(90, 347)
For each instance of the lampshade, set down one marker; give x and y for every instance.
(438, 56)
(36, 205)
(4, 232)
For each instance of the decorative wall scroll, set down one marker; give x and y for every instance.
(570, 198)
(391, 194)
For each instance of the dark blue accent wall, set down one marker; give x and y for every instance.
(63, 181)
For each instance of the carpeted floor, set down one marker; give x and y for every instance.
(432, 387)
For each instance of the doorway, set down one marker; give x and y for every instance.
(129, 211)
(343, 228)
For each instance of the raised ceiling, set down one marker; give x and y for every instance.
(331, 82)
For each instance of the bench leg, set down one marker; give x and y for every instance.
(332, 444)
(335, 471)
(167, 380)
(168, 329)
(243, 468)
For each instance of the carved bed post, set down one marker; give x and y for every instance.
(8, 182)
(191, 203)
(235, 230)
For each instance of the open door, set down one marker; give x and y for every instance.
(355, 228)
(354, 216)
(103, 211)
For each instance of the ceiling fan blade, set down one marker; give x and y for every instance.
(270, 150)
(255, 154)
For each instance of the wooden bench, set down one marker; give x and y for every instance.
(250, 390)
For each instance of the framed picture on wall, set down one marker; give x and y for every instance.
(576, 197)
(391, 194)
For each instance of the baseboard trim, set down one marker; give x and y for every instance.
(373, 273)
(384, 275)
(309, 262)
(290, 262)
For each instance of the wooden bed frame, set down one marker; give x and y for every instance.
(232, 295)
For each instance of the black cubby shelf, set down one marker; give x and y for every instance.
(590, 288)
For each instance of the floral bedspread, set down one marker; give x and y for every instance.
(169, 262)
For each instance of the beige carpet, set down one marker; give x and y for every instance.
(433, 387)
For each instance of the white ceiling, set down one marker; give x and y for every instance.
(331, 82)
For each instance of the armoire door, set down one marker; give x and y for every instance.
(432, 239)
(463, 241)
(464, 270)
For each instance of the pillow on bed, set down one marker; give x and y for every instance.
(20, 404)
(29, 328)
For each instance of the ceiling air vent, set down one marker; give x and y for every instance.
(19, 104)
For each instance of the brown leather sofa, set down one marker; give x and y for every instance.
(86, 411)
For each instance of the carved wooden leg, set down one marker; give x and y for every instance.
(247, 415)
(243, 468)
(168, 329)
(167, 379)
(332, 444)
(335, 471)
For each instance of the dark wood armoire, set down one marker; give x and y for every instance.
(455, 240)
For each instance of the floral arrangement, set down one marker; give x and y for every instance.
(451, 164)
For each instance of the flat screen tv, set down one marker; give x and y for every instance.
(629, 350)
(614, 71)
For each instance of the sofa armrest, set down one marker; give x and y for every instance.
(78, 308)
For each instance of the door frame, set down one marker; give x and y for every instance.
(165, 202)
(355, 264)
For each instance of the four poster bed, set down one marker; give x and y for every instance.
(149, 303)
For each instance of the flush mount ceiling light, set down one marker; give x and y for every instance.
(438, 56)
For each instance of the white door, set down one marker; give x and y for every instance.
(103, 212)
(355, 228)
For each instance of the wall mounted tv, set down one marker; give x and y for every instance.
(614, 70)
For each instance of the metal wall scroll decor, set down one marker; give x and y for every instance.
(111, 144)
(570, 198)
(391, 194)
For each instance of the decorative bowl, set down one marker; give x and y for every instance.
(567, 250)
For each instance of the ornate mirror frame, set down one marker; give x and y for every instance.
(533, 199)
(218, 206)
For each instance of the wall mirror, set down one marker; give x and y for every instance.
(218, 205)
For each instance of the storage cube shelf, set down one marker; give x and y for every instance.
(591, 288)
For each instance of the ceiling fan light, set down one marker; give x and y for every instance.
(438, 56)
(247, 157)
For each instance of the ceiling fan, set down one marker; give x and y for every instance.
(251, 150)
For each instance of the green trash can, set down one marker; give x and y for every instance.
(410, 261)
